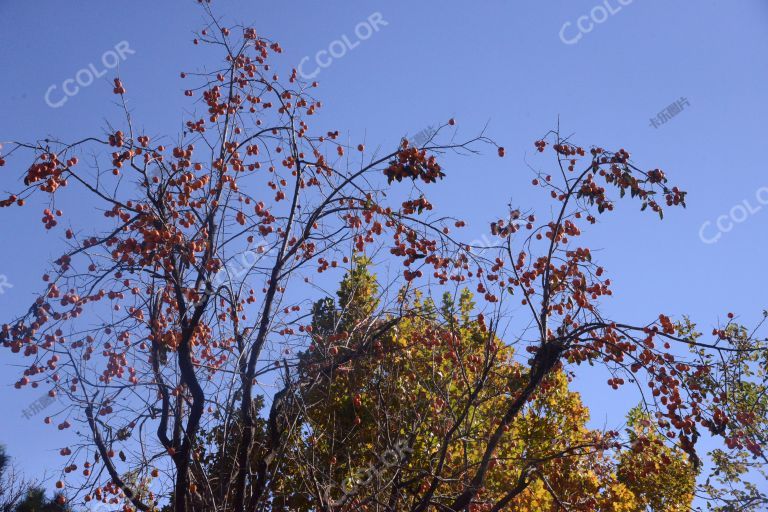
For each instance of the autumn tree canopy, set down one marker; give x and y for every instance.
(408, 389)
(204, 368)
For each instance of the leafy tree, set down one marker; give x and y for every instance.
(374, 427)
(36, 501)
(739, 471)
(659, 476)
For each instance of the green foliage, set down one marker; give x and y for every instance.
(739, 415)
(36, 501)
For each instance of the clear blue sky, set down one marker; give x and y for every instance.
(494, 61)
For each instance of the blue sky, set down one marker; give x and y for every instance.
(497, 62)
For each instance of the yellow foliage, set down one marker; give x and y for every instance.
(410, 387)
